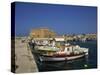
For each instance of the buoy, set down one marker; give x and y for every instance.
(85, 65)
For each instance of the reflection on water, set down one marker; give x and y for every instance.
(83, 63)
(65, 65)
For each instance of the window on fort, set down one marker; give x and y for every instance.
(38, 36)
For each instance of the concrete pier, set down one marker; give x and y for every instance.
(24, 59)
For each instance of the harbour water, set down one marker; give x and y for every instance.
(88, 62)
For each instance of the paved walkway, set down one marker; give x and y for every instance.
(24, 58)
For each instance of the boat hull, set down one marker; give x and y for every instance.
(52, 58)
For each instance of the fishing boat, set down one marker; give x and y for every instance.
(67, 52)
(59, 50)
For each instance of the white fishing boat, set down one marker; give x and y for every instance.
(59, 50)
(67, 52)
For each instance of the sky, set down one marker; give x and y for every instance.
(62, 19)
